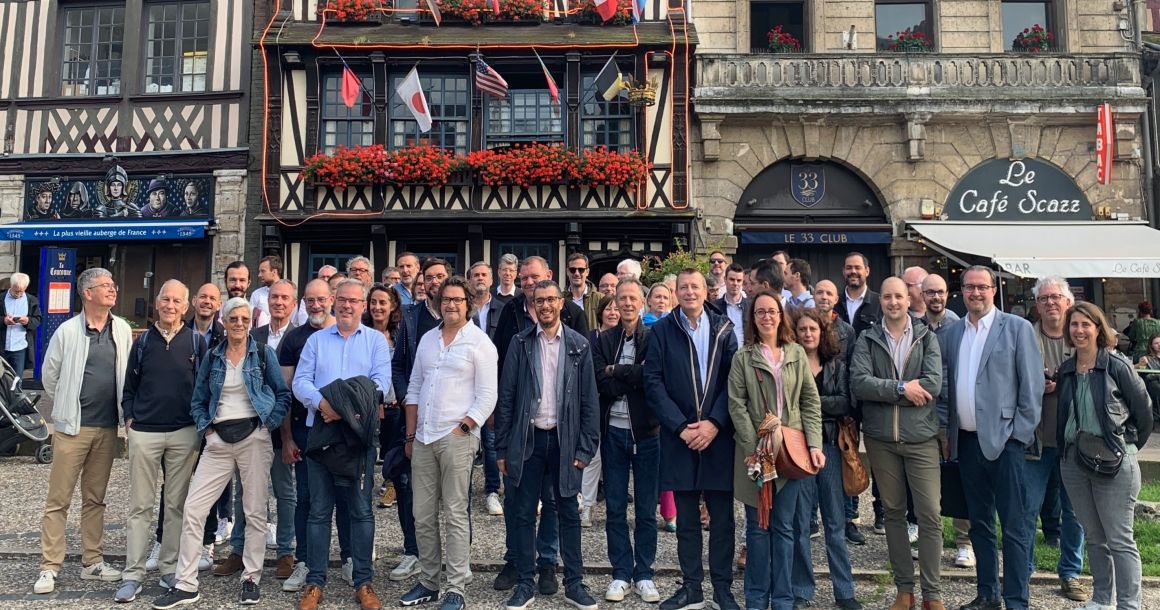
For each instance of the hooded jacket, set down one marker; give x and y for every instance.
(887, 416)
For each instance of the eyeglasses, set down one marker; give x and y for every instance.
(346, 301)
(453, 300)
(1052, 298)
(315, 300)
(435, 278)
(360, 270)
(238, 320)
(577, 270)
(718, 261)
(108, 286)
(934, 293)
(766, 313)
(546, 301)
(977, 287)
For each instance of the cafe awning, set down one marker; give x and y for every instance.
(101, 230)
(1068, 249)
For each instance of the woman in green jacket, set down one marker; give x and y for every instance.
(770, 374)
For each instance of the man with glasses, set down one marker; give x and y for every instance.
(1053, 298)
(913, 276)
(451, 393)
(359, 268)
(408, 265)
(607, 285)
(547, 431)
(507, 271)
(583, 292)
(324, 273)
(391, 276)
(418, 319)
(84, 374)
(342, 351)
(718, 268)
(994, 380)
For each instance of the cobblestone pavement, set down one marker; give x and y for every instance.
(22, 502)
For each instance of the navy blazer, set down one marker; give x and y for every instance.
(577, 416)
(1008, 390)
(672, 383)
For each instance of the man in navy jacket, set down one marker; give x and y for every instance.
(685, 377)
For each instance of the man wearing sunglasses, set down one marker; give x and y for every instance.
(718, 267)
(583, 292)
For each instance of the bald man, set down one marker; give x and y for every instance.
(934, 296)
(913, 276)
(205, 322)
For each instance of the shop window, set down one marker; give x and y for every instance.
(524, 249)
(91, 51)
(903, 26)
(777, 27)
(450, 102)
(611, 124)
(342, 126)
(338, 261)
(176, 47)
(1028, 27)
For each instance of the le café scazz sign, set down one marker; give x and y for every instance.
(1029, 190)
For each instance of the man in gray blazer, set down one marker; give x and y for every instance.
(994, 391)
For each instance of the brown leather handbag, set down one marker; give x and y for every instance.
(855, 479)
(793, 461)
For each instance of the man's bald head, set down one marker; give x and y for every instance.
(825, 295)
(934, 295)
(894, 298)
(913, 276)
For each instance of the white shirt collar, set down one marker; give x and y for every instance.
(987, 320)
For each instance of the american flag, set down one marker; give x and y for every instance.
(489, 81)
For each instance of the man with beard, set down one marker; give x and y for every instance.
(408, 265)
(582, 292)
(487, 309)
(324, 273)
(859, 305)
(318, 302)
(718, 265)
(934, 296)
(269, 271)
(417, 319)
(204, 322)
(237, 279)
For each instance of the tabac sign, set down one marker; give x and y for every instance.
(1017, 190)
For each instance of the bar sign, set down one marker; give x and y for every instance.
(1104, 138)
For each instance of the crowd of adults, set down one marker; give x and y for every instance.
(552, 387)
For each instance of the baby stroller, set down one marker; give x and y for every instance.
(19, 420)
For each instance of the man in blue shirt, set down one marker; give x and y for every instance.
(347, 349)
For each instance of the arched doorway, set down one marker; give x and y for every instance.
(817, 211)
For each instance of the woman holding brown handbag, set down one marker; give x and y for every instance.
(777, 418)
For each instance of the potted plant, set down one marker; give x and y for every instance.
(525, 165)
(1033, 40)
(603, 167)
(656, 268)
(781, 41)
(908, 41)
(349, 11)
(347, 166)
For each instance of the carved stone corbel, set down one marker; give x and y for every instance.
(916, 136)
(711, 136)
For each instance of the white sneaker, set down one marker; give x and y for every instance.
(46, 583)
(965, 557)
(297, 578)
(154, 558)
(101, 571)
(494, 505)
(348, 571)
(586, 519)
(222, 535)
(647, 591)
(617, 589)
(912, 532)
(408, 567)
(205, 562)
(1094, 606)
(271, 536)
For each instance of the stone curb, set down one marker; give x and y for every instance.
(954, 574)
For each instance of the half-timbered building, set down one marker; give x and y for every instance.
(304, 49)
(125, 139)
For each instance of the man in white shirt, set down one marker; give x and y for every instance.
(485, 308)
(859, 306)
(269, 271)
(797, 282)
(733, 302)
(507, 270)
(451, 394)
(22, 316)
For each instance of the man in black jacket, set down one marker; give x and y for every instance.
(21, 314)
(517, 316)
(859, 305)
(628, 443)
(158, 389)
(418, 318)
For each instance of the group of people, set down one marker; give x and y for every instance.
(740, 382)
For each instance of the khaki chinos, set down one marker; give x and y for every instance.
(87, 456)
(147, 450)
(441, 482)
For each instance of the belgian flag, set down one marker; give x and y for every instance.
(609, 82)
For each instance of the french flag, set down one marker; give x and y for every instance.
(637, 10)
(606, 8)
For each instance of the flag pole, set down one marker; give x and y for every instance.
(361, 87)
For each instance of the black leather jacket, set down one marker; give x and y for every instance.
(1122, 403)
(836, 398)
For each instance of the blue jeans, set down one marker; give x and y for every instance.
(548, 533)
(323, 496)
(1036, 474)
(302, 505)
(16, 360)
(825, 491)
(491, 478)
(620, 454)
(541, 466)
(997, 485)
(770, 552)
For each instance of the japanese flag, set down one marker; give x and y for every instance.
(411, 92)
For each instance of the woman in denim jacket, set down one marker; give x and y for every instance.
(240, 398)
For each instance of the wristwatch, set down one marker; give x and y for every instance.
(465, 428)
(901, 388)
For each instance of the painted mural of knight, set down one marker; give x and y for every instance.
(77, 202)
(42, 206)
(117, 200)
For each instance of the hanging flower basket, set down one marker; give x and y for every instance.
(1033, 40)
(603, 167)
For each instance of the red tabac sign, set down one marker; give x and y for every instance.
(1104, 137)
